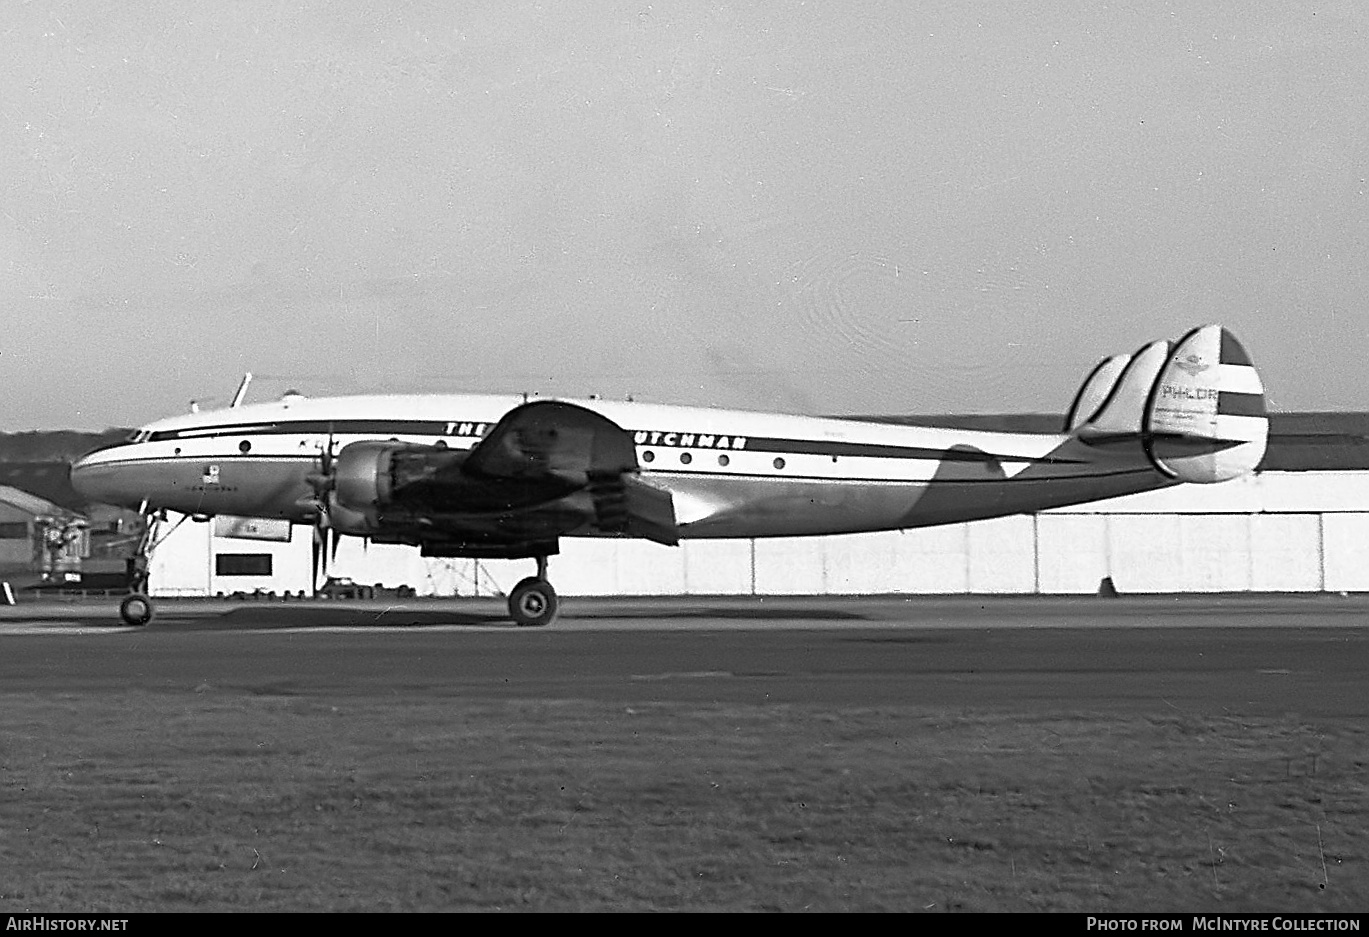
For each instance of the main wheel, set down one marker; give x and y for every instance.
(136, 609)
(533, 603)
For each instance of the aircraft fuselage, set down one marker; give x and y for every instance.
(730, 473)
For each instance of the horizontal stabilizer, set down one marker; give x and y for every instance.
(1205, 419)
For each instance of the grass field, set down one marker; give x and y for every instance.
(219, 801)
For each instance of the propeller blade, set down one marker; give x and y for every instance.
(316, 560)
(312, 505)
(322, 482)
(326, 457)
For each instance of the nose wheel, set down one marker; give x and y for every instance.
(136, 610)
(533, 602)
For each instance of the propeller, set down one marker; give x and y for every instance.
(325, 551)
(323, 482)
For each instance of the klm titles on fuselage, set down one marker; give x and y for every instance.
(640, 437)
(688, 440)
(468, 429)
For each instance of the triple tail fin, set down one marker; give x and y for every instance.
(1197, 408)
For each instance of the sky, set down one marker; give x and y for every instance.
(814, 207)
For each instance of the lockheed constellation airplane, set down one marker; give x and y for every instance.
(504, 477)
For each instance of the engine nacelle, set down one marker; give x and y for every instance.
(366, 475)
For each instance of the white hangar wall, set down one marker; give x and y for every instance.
(190, 559)
(1270, 532)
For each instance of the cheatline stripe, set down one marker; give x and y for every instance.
(650, 468)
(318, 427)
(876, 450)
(382, 428)
(1233, 404)
(895, 482)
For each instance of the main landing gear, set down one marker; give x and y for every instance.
(533, 602)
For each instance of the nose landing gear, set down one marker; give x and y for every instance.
(137, 609)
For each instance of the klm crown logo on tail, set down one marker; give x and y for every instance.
(1192, 364)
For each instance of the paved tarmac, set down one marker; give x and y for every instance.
(1244, 655)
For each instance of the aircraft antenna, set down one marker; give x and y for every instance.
(241, 392)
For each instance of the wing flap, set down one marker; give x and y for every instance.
(650, 513)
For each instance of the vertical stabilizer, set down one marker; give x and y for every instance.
(1205, 419)
(1094, 391)
(1124, 409)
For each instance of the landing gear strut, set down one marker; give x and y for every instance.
(137, 609)
(533, 602)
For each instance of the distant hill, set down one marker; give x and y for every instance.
(40, 462)
(54, 445)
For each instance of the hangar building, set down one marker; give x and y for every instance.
(39, 539)
(79, 540)
(1300, 524)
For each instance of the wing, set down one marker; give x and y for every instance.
(550, 439)
(568, 449)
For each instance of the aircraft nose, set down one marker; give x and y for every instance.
(96, 478)
(82, 479)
